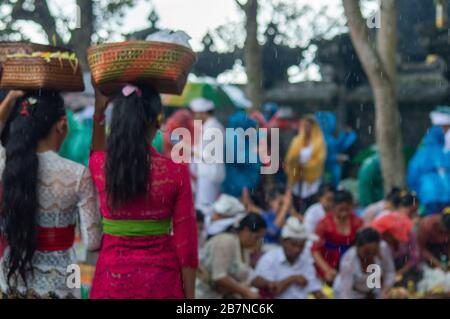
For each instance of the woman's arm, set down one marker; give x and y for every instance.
(99, 134)
(413, 256)
(280, 220)
(90, 219)
(422, 239)
(330, 273)
(185, 232)
(188, 276)
(287, 200)
(7, 104)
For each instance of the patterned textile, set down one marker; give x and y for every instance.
(146, 267)
(332, 245)
(66, 195)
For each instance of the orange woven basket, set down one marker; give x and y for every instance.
(165, 66)
(33, 73)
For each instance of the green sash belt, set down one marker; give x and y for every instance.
(131, 228)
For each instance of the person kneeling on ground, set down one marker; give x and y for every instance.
(367, 270)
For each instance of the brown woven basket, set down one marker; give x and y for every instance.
(165, 66)
(33, 73)
(8, 48)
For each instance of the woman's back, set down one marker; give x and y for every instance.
(65, 194)
(144, 266)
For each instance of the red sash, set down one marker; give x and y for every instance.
(55, 239)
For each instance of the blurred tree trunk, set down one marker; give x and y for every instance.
(252, 52)
(378, 58)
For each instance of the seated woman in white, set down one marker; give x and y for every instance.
(367, 270)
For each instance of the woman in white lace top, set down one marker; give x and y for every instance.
(43, 197)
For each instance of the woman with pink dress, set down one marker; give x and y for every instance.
(149, 247)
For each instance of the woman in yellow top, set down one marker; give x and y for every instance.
(305, 163)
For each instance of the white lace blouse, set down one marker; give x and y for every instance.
(66, 195)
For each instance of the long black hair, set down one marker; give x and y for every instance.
(32, 120)
(128, 147)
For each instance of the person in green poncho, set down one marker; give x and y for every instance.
(77, 145)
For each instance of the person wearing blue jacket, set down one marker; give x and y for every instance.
(336, 146)
(246, 175)
(429, 172)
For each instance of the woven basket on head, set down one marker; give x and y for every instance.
(165, 66)
(34, 73)
(8, 48)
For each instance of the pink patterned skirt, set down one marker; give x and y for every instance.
(137, 268)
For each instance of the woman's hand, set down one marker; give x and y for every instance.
(275, 288)
(7, 104)
(385, 293)
(250, 294)
(301, 281)
(330, 274)
(16, 94)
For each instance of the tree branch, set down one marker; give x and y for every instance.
(240, 5)
(40, 15)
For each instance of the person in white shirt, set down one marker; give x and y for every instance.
(316, 212)
(357, 272)
(288, 272)
(209, 173)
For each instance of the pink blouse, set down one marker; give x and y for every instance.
(148, 266)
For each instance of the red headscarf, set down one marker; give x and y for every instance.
(397, 224)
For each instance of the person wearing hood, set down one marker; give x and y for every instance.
(336, 146)
(288, 272)
(304, 164)
(243, 171)
(429, 169)
(208, 173)
(227, 210)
